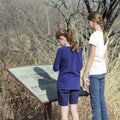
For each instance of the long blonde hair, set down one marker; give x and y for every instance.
(70, 36)
(98, 19)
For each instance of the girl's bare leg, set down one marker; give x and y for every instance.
(64, 112)
(74, 112)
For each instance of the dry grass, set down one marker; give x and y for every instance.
(22, 43)
(18, 104)
(113, 90)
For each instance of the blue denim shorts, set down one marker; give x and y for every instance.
(66, 97)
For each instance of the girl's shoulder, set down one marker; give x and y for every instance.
(80, 50)
(96, 34)
(64, 47)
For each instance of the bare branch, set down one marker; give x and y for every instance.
(88, 6)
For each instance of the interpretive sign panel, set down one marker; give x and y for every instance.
(39, 80)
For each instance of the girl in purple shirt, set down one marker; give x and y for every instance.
(68, 62)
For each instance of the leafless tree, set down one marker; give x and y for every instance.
(110, 10)
(74, 14)
(69, 10)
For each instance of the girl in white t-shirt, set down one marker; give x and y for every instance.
(96, 66)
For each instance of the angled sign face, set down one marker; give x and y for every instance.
(39, 80)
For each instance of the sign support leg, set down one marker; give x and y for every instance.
(47, 111)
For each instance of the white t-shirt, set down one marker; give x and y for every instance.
(99, 65)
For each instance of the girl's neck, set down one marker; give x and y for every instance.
(67, 44)
(97, 27)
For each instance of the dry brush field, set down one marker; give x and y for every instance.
(16, 103)
(26, 38)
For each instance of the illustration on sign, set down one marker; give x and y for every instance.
(40, 80)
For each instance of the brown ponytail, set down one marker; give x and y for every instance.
(72, 41)
(70, 36)
(104, 33)
(98, 18)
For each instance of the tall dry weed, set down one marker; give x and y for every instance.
(19, 104)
